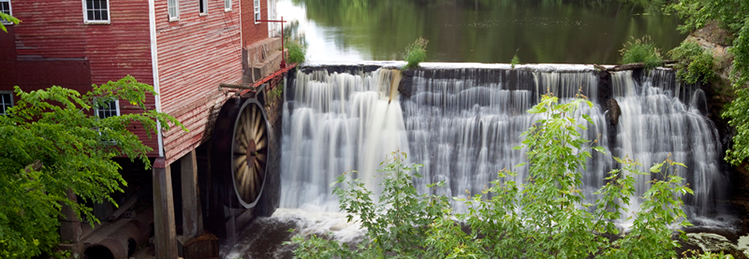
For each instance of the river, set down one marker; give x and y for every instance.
(486, 31)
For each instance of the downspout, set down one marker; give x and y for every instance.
(155, 70)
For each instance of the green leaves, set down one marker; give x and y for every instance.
(641, 51)
(545, 216)
(416, 53)
(54, 128)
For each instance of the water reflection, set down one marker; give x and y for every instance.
(541, 31)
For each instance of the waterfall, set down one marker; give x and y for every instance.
(462, 124)
(333, 123)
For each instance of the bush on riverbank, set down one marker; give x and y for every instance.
(694, 63)
(544, 216)
(297, 51)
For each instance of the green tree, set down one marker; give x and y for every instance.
(52, 143)
(730, 15)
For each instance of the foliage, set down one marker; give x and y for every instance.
(416, 53)
(277, 92)
(396, 224)
(9, 18)
(51, 144)
(515, 61)
(545, 216)
(731, 15)
(694, 63)
(641, 50)
(297, 51)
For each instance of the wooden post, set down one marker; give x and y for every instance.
(192, 216)
(70, 226)
(165, 236)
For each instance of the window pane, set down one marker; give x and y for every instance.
(104, 4)
(90, 15)
(5, 7)
(104, 15)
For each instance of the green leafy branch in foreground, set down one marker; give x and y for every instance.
(52, 144)
(543, 217)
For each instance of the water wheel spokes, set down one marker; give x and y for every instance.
(250, 153)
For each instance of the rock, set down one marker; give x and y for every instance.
(614, 111)
(744, 244)
(710, 242)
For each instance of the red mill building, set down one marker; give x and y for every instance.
(211, 176)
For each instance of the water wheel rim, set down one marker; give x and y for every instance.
(249, 153)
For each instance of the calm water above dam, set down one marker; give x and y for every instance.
(488, 31)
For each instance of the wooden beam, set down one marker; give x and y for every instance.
(630, 66)
(238, 86)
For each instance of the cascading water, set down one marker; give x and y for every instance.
(462, 124)
(334, 123)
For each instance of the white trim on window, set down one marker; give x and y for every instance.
(6, 101)
(96, 12)
(113, 109)
(227, 5)
(202, 7)
(173, 10)
(9, 11)
(256, 7)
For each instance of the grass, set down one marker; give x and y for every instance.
(416, 53)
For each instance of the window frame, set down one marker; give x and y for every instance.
(176, 10)
(203, 4)
(116, 108)
(2, 104)
(85, 14)
(256, 11)
(10, 12)
(227, 5)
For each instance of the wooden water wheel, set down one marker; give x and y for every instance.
(240, 149)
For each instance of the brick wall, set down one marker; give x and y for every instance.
(252, 32)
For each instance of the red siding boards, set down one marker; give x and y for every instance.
(55, 29)
(49, 29)
(195, 54)
(252, 32)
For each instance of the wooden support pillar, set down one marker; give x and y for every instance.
(165, 234)
(192, 215)
(70, 229)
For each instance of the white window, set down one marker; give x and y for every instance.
(203, 7)
(5, 8)
(6, 101)
(173, 6)
(106, 109)
(257, 10)
(227, 5)
(96, 11)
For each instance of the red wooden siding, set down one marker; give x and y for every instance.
(252, 32)
(50, 29)
(195, 54)
(54, 29)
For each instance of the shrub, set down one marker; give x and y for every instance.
(641, 51)
(543, 217)
(515, 61)
(297, 51)
(416, 53)
(694, 63)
